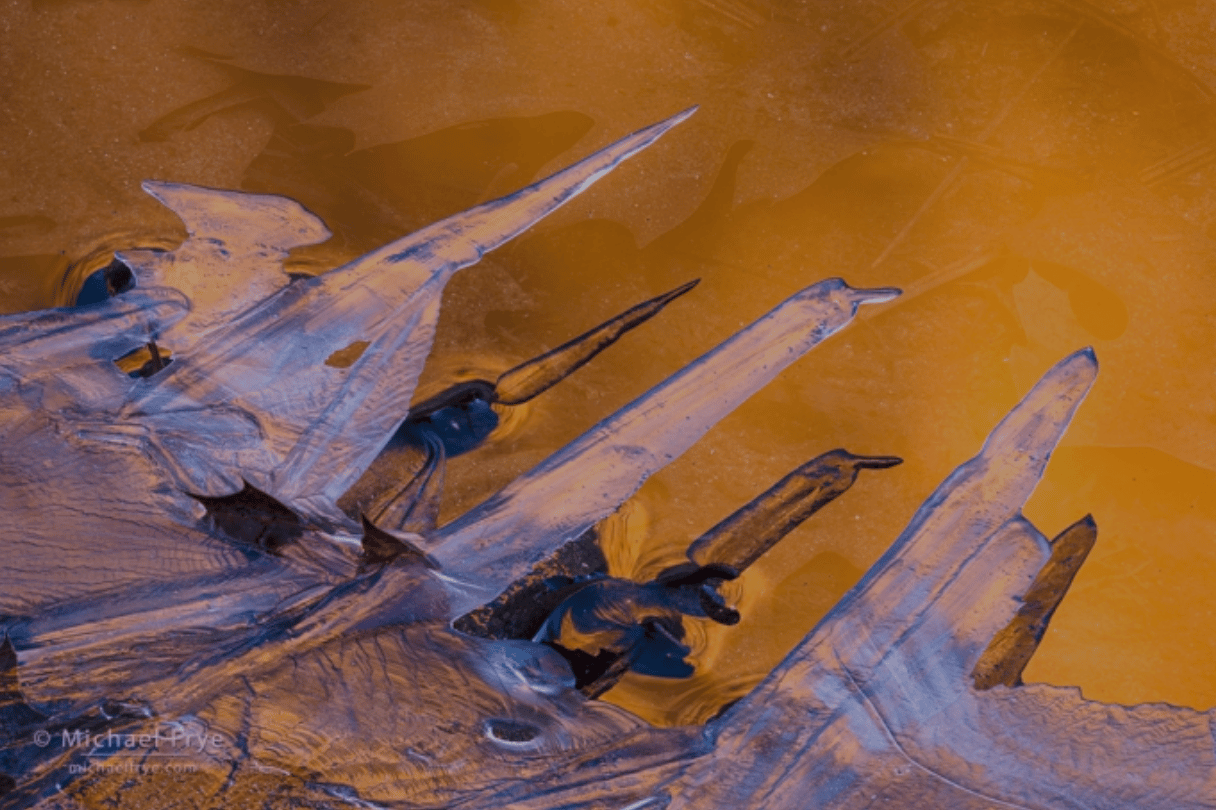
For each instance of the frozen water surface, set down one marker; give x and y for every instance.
(1036, 177)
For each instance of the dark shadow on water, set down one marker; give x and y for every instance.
(24, 281)
(285, 99)
(373, 195)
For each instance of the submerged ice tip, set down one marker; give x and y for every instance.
(153, 187)
(872, 295)
(1082, 364)
(651, 133)
(671, 295)
(682, 114)
(876, 462)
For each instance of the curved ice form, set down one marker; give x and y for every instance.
(742, 538)
(528, 380)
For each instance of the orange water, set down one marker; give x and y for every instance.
(1038, 176)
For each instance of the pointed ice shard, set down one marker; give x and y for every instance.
(747, 534)
(530, 379)
(1011, 648)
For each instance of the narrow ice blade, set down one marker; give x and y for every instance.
(743, 537)
(1013, 646)
(538, 375)
(414, 507)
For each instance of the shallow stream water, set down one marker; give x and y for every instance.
(1037, 177)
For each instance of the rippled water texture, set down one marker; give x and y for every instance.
(1037, 176)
